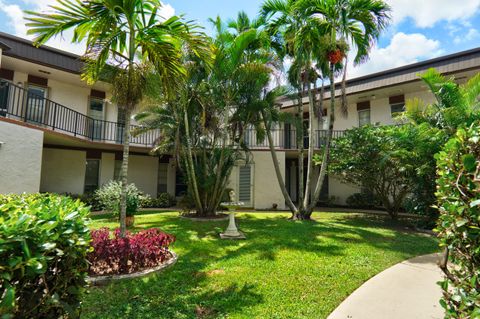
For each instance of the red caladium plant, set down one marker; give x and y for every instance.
(123, 255)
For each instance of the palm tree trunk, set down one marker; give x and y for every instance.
(310, 147)
(190, 166)
(124, 173)
(278, 173)
(324, 166)
(301, 156)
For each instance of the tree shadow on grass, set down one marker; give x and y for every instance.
(194, 288)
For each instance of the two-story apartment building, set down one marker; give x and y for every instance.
(57, 134)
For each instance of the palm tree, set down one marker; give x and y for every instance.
(122, 37)
(317, 35)
(212, 110)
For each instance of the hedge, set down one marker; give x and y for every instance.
(458, 196)
(44, 241)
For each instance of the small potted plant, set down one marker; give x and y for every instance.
(132, 206)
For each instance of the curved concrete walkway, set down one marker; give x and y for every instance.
(407, 290)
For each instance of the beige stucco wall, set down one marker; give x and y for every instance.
(20, 158)
(340, 190)
(63, 171)
(143, 172)
(266, 190)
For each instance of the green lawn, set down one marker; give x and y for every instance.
(284, 269)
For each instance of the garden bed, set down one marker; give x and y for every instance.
(102, 280)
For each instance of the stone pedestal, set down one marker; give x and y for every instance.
(232, 231)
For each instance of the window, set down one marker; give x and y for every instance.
(4, 94)
(36, 103)
(116, 170)
(162, 178)
(120, 124)
(95, 111)
(397, 108)
(245, 189)
(363, 117)
(91, 175)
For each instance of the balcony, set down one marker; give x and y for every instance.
(22, 105)
(19, 104)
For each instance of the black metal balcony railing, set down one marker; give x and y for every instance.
(22, 105)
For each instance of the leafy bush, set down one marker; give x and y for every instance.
(89, 200)
(134, 252)
(109, 196)
(164, 200)
(388, 161)
(363, 200)
(459, 224)
(44, 241)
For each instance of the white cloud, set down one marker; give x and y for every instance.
(472, 34)
(403, 49)
(425, 13)
(62, 42)
(167, 11)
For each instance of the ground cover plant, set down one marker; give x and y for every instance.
(284, 269)
(113, 254)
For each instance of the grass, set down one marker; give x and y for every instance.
(284, 269)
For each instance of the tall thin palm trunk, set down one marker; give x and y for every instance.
(124, 172)
(311, 102)
(301, 148)
(324, 166)
(190, 165)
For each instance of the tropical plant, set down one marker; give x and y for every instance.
(109, 196)
(316, 36)
(44, 244)
(455, 106)
(459, 224)
(125, 41)
(387, 161)
(206, 122)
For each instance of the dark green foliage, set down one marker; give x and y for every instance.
(391, 162)
(44, 240)
(363, 200)
(89, 200)
(459, 224)
(164, 200)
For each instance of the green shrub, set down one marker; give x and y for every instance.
(164, 200)
(109, 197)
(44, 241)
(89, 200)
(363, 200)
(146, 201)
(391, 162)
(458, 196)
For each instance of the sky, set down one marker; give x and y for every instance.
(420, 29)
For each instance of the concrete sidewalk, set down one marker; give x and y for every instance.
(407, 290)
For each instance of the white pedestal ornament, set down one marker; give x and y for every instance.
(232, 231)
